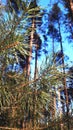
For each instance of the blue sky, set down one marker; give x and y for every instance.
(67, 46)
(3, 1)
(43, 2)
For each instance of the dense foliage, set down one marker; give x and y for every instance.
(36, 84)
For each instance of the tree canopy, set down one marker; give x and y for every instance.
(36, 89)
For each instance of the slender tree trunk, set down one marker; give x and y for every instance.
(28, 70)
(35, 90)
(53, 48)
(59, 99)
(54, 107)
(71, 15)
(70, 4)
(36, 60)
(31, 44)
(64, 79)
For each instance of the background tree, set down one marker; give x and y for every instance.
(25, 102)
